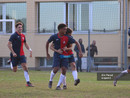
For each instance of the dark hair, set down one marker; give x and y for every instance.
(69, 30)
(17, 24)
(62, 25)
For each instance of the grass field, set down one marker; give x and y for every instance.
(12, 85)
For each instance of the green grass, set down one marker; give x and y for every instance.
(12, 85)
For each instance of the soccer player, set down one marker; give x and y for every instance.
(60, 40)
(71, 60)
(123, 72)
(15, 45)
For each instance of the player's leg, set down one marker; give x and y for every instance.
(11, 66)
(14, 61)
(74, 73)
(25, 69)
(26, 75)
(15, 69)
(64, 83)
(56, 66)
(62, 77)
(10, 63)
(53, 72)
(64, 65)
(119, 76)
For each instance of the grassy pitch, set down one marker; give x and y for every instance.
(12, 85)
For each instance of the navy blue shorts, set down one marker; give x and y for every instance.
(71, 59)
(60, 62)
(18, 60)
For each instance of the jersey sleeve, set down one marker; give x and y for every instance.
(51, 39)
(71, 40)
(11, 39)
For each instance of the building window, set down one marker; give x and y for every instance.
(3, 62)
(49, 16)
(106, 16)
(99, 16)
(10, 12)
(78, 16)
(44, 62)
(106, 61)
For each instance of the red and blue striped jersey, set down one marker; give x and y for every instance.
(18, 41)
(61, 42)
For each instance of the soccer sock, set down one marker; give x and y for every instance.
(75, 74)
(26, 75)
(121, 74)
(61, 79)
(52, 75)
(11, 65)
(64, 81)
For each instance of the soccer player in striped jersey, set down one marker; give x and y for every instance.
(60, 40)
(15, 45)
(71, 59)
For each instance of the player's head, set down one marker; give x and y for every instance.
(19, 27)
(62, 28)
(69, 31)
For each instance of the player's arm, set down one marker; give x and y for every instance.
(52, 48)
(30, 50)
(47, 52)
(11, 49)
(55, 50)
(68, 48)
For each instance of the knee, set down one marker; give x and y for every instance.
(55, 70)
(25, 68)
(128, 70)
(73, 66)
(64, 70)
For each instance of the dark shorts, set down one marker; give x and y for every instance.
(18, 60)
(72, 59)
(60, 62)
